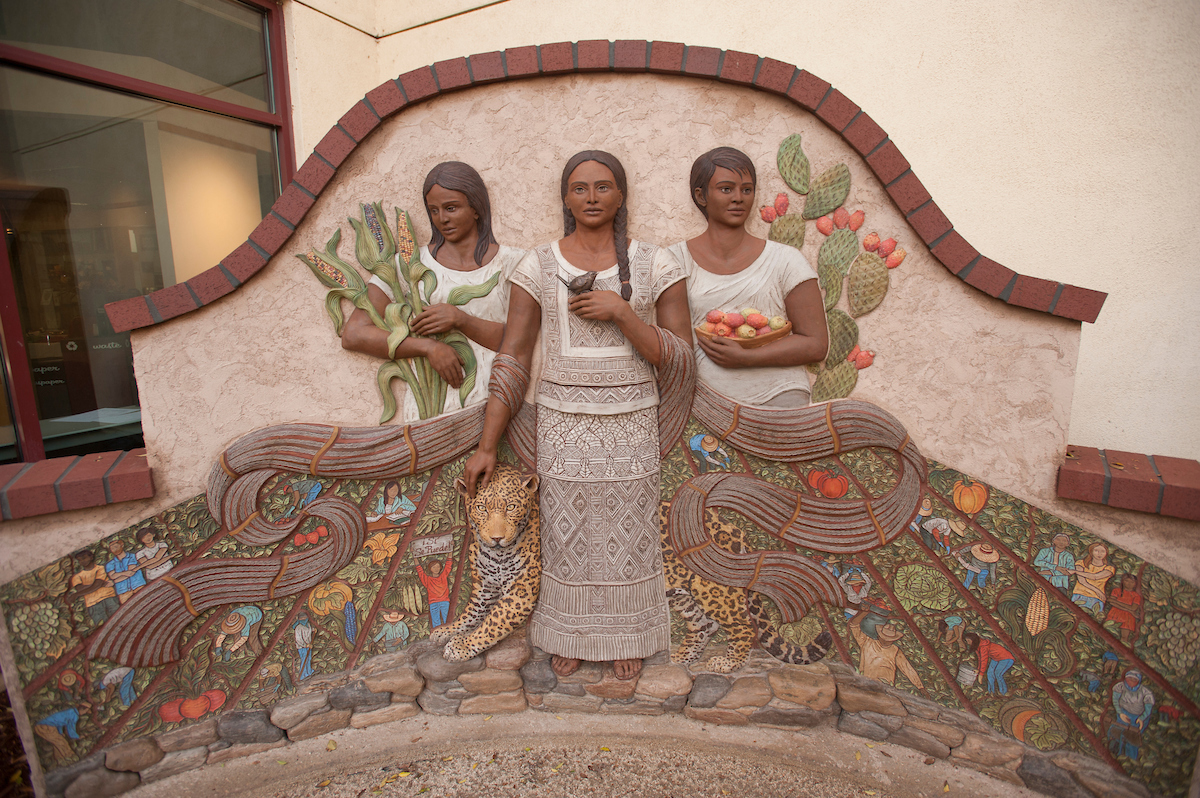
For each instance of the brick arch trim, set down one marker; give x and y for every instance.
(670, 58)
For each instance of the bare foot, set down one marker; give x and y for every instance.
(627, 669)
(563, 666)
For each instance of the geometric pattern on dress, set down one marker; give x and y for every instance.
(601, 532)
(578, 446)
(598, 395)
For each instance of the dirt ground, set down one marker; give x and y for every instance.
(541, 755)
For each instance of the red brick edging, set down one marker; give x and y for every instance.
(73, 483)
(1149, 483)
(766, 74)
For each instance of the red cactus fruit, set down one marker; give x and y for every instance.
(767, 213)
(841, 218)
(825, 225)
(856, 220)
(871, 242)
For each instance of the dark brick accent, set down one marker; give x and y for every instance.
(1080, 304)
(864, 134)
(1134, 484)
(702, 61)
(887, 163)
(210, 285)
(293, 204)
(418, 84)
(930, 223)
(335, 146)
(359, 121)
(908, 193)
(33, 492)
(1033, 292)
(1181, 498)
(808, 90)
(631, 55)
(486, 67)
(954, 252)
(521, 61)
(174, 300)
(739, 67)
(593, 55)
(666, 56)
(452, 74)
(988, 276)
(837, 110)
(1081, 476)
(244, 262)
(270, 234)
(557, 57)
(774, 76)
(386, 99)
(131, 478)
(129, 314)
(84, 485)
(314, 174)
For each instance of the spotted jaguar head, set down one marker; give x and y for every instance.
(500, 512)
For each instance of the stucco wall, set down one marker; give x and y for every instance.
(1059, 139)
(981, 386)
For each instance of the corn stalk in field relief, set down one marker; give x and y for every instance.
(393, 257)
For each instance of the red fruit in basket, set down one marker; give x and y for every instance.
(825, 225)
(841, 218)
(756, 320)
(313, 537)
(765, 330)
(886, 247)
(767, 213)
(170, 711)
(834, 487)
(715, 316)
(708, 326)
(871, 242)
(735, 320)
(322, 531)
(856, 220)
(853, 353)
(723, 330)
(816, 476)
(781, 204)
(299, 539)
(895, 259)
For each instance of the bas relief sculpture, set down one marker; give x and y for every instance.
(669, 487)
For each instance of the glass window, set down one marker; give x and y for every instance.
(214, 48)
(106, 196)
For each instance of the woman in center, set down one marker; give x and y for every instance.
(610, 311)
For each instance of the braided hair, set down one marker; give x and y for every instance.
(620, 222)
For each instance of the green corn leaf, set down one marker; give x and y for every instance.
(333, 306)
(465, 293)
(428, 283)
(462, 347)
(389, 371)
(388, 252)
(398, 328)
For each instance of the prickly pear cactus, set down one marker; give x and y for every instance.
(839, 250)
(788, 230)
(793, 164)
(830, 279)
(835, 383)
(843, 335)
(868, 284)
(827, 192)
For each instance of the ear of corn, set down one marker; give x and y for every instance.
(1037, 618)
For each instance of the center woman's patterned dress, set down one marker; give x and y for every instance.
(602, 594)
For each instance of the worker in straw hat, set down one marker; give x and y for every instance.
(980, 562)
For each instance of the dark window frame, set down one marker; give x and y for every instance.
(26, 424)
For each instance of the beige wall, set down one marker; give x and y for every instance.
(1060, 139)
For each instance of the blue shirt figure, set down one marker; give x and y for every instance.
(1056, 562)
(123, 571)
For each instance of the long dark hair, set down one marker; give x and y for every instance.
(458, 176)
(706, 166)
(620, 222)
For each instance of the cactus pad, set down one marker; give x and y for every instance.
(868, 284)
(843, 335)
(827, 192)
(788, 230)
(839, 250)
(835, 383)
(830, 279)
(793, 164)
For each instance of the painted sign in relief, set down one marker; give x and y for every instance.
(818, 531)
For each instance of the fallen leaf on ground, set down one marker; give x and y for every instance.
(945, 786)
(605, 748)
(281, 761)
(929, 760)
(857, 755)
(325, 783)
(885, 753)
(489, 717)
(331, 746)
